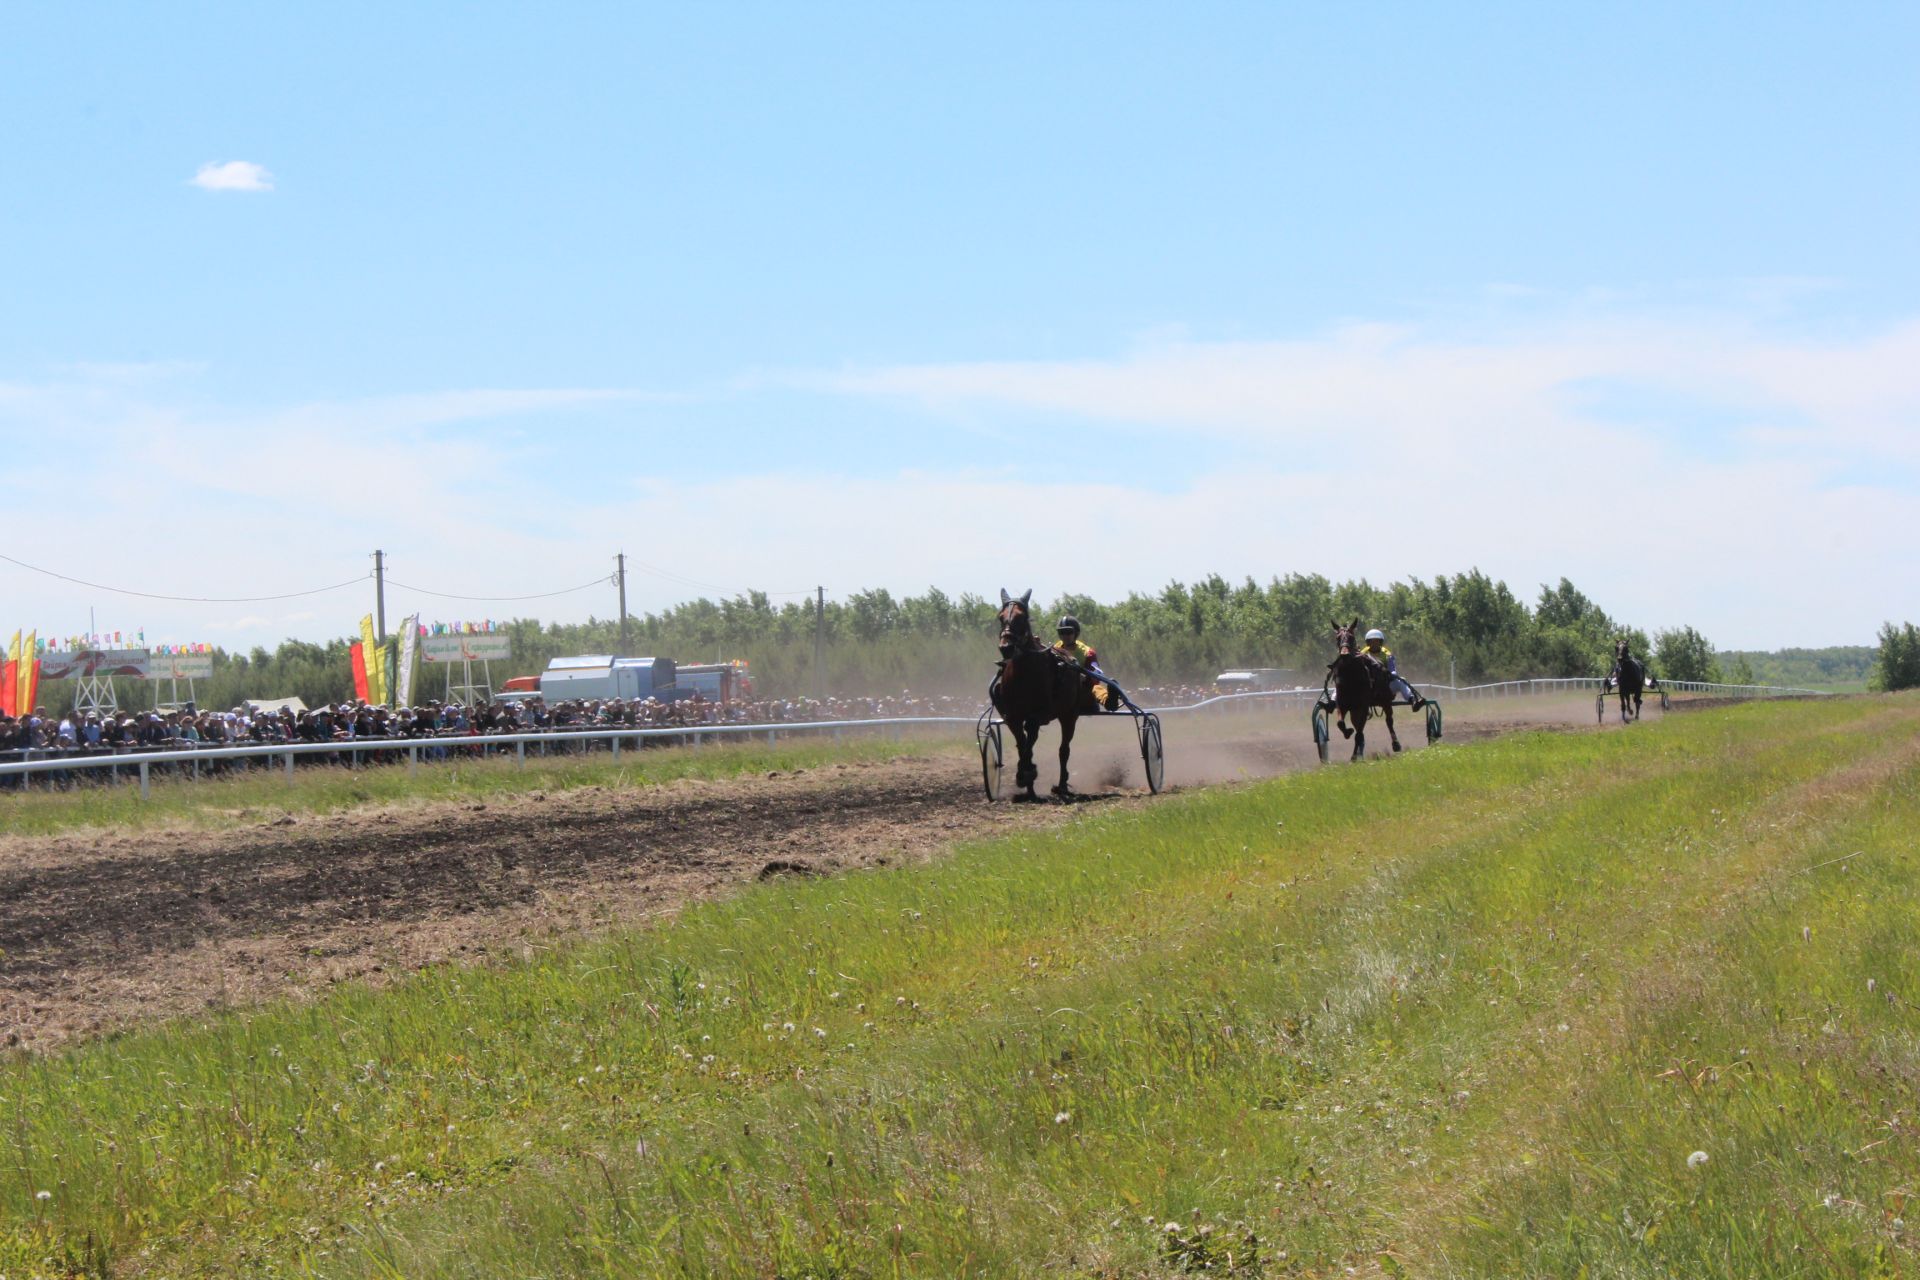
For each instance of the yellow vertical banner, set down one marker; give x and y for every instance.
(376, 662)
(28, 676)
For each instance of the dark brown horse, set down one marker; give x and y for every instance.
(1630, 677)
(1360, 684)
(1034, 686)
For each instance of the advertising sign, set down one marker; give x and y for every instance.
(66, 664)
(409, 650)
(180, 666)
(469, 648)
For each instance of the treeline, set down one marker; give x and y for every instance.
(1466, 626)
(1838, 667)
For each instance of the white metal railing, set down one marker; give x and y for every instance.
(466, 747)
(488, 744)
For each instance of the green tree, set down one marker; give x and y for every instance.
(1898, 664)
(1684, 654)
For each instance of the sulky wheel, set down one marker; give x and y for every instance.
(1152, 754)
(1600, 708)
(1433, 722)
(992, 758)
(1320, 730)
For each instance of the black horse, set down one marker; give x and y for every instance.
(1035, 685)
(1360, 684)
(1631, 677)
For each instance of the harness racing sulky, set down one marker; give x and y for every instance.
(1631, 678)
(1357, 685)
(1034, 685)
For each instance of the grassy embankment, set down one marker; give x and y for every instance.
(265, 793)
(1465, 1013)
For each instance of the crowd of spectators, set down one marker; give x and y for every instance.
(75, 734)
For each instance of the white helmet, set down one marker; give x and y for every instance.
(1376, 634)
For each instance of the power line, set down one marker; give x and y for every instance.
(685, 581)
(154, 595)
(541, 595)
(352, 582)
(671, 576)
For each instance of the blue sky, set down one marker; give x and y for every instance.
(883, 295)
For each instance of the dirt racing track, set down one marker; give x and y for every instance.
(98, 930)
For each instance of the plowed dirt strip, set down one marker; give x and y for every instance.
(95, 933)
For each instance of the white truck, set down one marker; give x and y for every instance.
(604, 676)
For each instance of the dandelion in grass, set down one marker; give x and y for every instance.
(43, 1195)
(1697, 1159)
(1062, 1117)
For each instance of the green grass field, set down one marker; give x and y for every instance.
(267, 793)
(1470, 1012)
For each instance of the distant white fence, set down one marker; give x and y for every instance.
(193, 762)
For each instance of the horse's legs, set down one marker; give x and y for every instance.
(1359, 733)
(1390, 733)
(1024, 736)
(1340, 723)
(1066, 749)
(1636, 706)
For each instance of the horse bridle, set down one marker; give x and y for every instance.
(1009, 643)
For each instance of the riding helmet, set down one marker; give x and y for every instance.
(1376, 634)
(1069, 626)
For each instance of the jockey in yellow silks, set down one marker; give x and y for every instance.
(1075, 650)
(1376, 649)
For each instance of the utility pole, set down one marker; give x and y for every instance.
(626, 649)
(819, 642)
(380, 596)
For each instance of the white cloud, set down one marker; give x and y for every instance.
(232, 175)
(1422, 392)
(1754, 488)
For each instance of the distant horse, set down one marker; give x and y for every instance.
(1360, 684)
(1631, 677)
(1034, 686)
